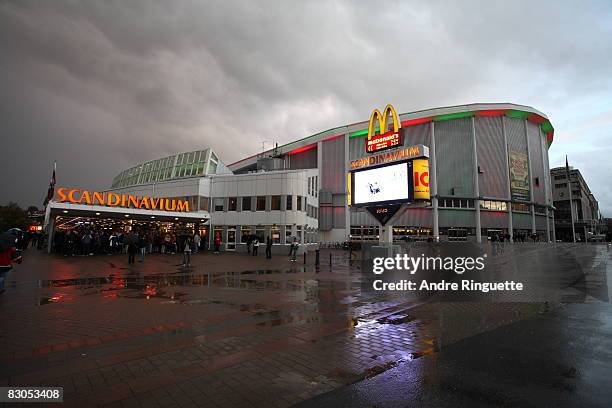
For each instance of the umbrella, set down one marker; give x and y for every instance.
(7, 241)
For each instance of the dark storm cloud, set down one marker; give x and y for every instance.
(101, 85)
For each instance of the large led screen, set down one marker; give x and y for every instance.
(388, 183)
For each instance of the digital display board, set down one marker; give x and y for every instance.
(389, 183)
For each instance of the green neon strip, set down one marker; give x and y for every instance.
(450, 116)
(362, 132)
(517, 114)
(547, 127)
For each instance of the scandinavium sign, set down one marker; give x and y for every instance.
(120, 200)
(410, 152)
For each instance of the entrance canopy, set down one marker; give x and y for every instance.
(98, 211)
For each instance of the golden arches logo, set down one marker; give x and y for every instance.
(382, 121)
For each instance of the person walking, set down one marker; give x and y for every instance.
(268, 248)
(186, 252)
(196, 243)
(255, 246)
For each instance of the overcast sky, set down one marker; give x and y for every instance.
(102, 85)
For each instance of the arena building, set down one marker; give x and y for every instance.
(469, 172)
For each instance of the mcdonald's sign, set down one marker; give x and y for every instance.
(385, 139)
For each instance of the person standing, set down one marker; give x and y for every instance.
(86, 241)
(186, 252)
(268, 248)
(255, 246)
(217, 242)
(132, 242)
(142, 245)
(294, 248)
(196, 242)
(8, 255)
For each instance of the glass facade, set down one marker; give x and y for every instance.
(190, 164)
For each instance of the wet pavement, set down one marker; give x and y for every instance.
(235, 330)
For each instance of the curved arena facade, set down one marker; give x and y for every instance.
(489, 173)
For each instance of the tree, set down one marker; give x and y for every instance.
(13, 216)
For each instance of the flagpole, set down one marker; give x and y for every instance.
(569, 190)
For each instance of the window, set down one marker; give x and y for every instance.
(309, 183)
(244, 234)
(261, 203)
(540, 209)
(456, 202)
(537, 181)
(288, 238)
(316, 185)
(560, 185)
(246, 203)
(261, 232)
(276, 201)
(276, 234)
(232, 204)
(299, 203)
(289, 202)
(218, 204)
(493, 205)
(299, 233)
(519, 207)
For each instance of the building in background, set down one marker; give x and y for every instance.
(588, 221)
(488, 167)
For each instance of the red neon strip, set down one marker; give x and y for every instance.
(536, 119)
(332, 138)
(493, 112)
(413, 122)
(302, 149)
(549, 137)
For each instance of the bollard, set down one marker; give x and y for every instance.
(330, 259)
(316, 256)
(304, 257)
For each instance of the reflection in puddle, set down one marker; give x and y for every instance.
(57, 297)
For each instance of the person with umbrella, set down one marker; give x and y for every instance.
(8, 254)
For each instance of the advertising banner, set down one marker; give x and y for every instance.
(519, 176)
(420, 173)
(389, 183)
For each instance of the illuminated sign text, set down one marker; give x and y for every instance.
(121, 200)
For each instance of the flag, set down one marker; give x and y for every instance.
(51, 190)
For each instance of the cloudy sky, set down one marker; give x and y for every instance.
(101, 85)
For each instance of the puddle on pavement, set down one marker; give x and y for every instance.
(134, 285)
(55, 298)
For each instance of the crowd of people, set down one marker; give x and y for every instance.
(87, 242)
